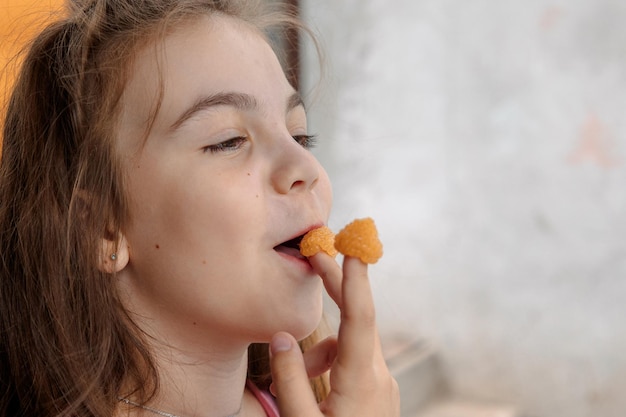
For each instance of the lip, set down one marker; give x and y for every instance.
(294, 258)
(300, 263)
(301, 233)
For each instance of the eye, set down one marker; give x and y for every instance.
(306, 141)
(228, 145)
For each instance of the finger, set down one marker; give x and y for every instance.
(320, 357)
(358, 336)
(290, 381)
(330, 272)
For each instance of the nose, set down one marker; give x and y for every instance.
(295, 168)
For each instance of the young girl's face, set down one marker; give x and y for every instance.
(224, 178)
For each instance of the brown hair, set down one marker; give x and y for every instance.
(67, 346)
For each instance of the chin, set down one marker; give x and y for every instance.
(299, 324)
(306, 325)
(300, 318)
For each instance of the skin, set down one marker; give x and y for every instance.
(222, 180)
(361, 384)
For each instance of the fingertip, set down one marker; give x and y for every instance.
(281, 342)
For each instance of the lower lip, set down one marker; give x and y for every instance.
(302, 263)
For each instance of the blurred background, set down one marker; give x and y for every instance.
(487, 140)
(19, 21)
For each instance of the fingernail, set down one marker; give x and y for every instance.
(280, 343)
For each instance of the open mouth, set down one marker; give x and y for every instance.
(291, 247)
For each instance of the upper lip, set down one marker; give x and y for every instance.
(300, 234)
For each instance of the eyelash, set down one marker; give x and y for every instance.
(227, 146)
(306, 141)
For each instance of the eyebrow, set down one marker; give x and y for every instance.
(240, 101)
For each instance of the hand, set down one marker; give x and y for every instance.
(361, 385)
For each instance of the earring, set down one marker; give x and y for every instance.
(113, 256)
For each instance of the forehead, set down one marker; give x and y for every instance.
(213, 54)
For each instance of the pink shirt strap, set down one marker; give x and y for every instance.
(265, 399)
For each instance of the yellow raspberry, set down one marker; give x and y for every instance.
(360, 239)
(316, 240)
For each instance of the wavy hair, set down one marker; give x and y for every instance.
(67, 346)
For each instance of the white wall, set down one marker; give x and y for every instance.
(487, 140)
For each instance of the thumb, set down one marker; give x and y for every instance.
(289, 378)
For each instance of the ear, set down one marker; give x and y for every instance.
(114, 255)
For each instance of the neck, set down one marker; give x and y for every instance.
(199, 375)
(193, 386)
(202, 371)
(202, 378)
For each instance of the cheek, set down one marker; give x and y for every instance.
(325, 190)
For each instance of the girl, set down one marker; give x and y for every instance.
(155, 180)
